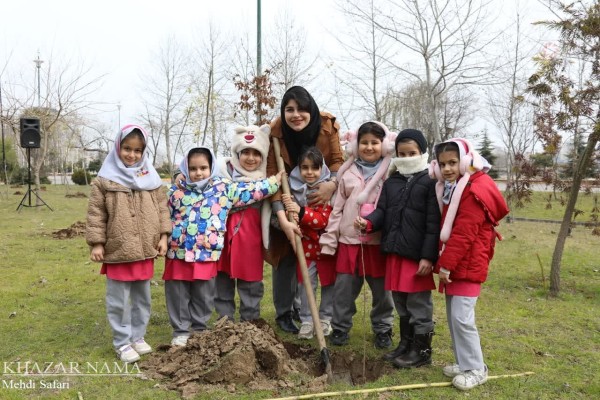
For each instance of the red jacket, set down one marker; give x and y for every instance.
(313, 221)
(470, 247)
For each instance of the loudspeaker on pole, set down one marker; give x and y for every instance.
(30, 133)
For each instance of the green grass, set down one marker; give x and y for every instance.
(57, 296)
(536, 208)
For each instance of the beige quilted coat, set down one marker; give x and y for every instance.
(127, 222)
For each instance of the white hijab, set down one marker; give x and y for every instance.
(140, 176)
(202, 184)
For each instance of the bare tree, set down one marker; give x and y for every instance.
(65, 92)
(512, 114)
(445, 39)
(365, 69)
(210, 110)
(288, 54)
(166, 89)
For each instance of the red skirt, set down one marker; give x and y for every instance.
(401, 276)
(461, 288)
(325, 270)
(179, 270)
(129, 271)
(242, 257)
(350, 260)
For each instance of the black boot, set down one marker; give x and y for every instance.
(406, 334)
(419, 353)
(287, 324)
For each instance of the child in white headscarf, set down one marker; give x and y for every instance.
(127, 227)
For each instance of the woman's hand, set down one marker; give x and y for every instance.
(425, 267)
(323, 193)
(162, 245)
(97, 253)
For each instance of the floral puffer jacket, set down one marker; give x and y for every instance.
(199, 218)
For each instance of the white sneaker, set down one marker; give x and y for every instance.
(451, 370)
(141, 347)
(327, 329)
(127, 354)
(469, 379)
(179, 341)
(306, 331)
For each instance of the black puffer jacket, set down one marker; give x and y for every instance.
(409, 215)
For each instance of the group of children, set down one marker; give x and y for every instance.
(393, 222)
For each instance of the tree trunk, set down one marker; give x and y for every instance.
(566, 222)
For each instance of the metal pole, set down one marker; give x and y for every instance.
(38, 63)
(2, 128)
(258, 60)
(119, 108)
(258, 40)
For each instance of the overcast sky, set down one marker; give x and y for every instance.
(117, 37)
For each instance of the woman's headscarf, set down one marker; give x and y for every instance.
(141, 175)
(297, 142)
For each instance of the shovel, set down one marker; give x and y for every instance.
(304, 269)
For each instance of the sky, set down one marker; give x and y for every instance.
(118, 37)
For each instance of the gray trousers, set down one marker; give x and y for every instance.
(251, 293)
(285, 285)
(190, 305)
(466, 346)
(326, 305)
(418, 306)
(128, 310)
(347, 288)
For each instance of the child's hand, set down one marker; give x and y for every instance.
(279, 176)
(290, 205)
(444, 276)
(178, 180)
(161, 247)
(97, 253)
(425, 267)
(291, 230)
(360, 223)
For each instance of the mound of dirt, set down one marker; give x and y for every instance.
(251, 356)
(77, 229)
(76, 195)
(245, 353)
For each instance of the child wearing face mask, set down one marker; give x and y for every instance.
(127, 227)
(312, 220)
(241, 262)
(199, 216)
(408, 215)
(358, 256)
(472, 206)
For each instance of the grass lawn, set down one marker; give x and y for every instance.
(52, 310)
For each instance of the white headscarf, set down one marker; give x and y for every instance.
(183, 167)
(140, 176)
